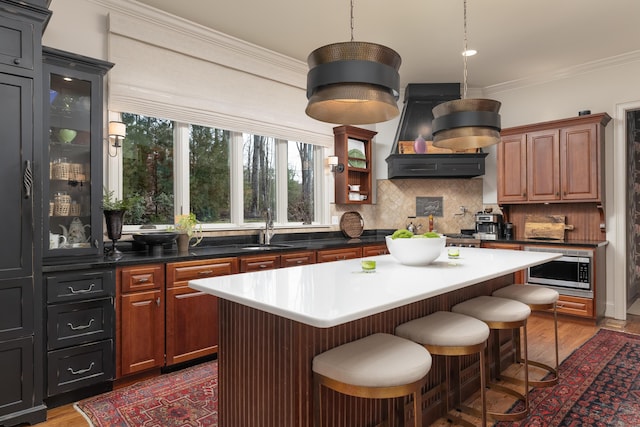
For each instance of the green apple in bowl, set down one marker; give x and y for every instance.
(67, 135)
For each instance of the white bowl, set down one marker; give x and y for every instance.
(416, 250)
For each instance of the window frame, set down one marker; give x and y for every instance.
(181, 135)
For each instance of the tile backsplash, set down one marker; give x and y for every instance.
(396, 201)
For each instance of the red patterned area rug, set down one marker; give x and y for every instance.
(186, 398)
(599, 387)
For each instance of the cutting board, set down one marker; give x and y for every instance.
(551, 227)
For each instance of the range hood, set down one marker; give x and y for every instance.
(416, 118)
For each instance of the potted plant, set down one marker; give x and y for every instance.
(188, 227)
(113, 209)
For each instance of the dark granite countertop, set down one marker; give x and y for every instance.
(545, 242)
(219, 247)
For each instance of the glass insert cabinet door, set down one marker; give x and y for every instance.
(73, 127)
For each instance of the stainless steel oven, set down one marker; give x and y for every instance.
(571, 274)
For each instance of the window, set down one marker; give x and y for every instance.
(276, 174)
(147, 176)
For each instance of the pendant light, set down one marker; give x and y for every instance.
(464, 124)
(353, 83)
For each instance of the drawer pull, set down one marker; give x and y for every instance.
(204, 272)
(81, 371)
(81, 291)
(142, 280)
(81, 327)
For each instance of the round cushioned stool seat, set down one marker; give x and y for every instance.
(378, 360)
(528, 294)
(445, 329)
(493, 309)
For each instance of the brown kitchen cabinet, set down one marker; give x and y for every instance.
(292, 259)
(192, 316)
(374, 250)
(354, 148)
(140, 296)
(259, 262)
(556, 161)
(328, 255)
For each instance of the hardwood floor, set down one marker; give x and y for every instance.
(540, 330)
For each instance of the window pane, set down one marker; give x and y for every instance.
(300, 182)
(259, 177)
(148, 169)
(209, 184)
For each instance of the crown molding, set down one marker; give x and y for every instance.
(564, 73)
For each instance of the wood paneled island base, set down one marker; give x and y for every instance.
(265, 377)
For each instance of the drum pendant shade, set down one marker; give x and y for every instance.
(464, 124)
(353, 83)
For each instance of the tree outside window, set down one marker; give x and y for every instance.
(148, 170)
(148, 174)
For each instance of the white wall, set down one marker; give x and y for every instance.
(80, 27)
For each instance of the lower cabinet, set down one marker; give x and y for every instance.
(328, 255)
(139, 318)
(80, 330)
(374, 250)
(192, 316)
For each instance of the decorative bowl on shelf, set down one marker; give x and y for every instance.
(416, 250)
(67, 135)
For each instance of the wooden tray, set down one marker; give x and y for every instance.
(351, 224)
(545, 227)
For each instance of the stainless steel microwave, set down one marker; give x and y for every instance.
(571, 274)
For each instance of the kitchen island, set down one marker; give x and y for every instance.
(272, 323)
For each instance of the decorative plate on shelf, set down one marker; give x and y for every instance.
(355, 154)
(351, 224)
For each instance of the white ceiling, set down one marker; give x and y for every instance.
(516, 39)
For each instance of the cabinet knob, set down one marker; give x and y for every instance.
(16, 61)
(158, 301)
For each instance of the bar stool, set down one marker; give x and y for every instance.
(501, 313)
(451, 334)
(379, 366)
(537, 298)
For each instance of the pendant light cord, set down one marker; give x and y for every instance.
(352, 20)
(464, 56)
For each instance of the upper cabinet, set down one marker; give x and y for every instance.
(73, 140)
(354, 149)
(557, 161)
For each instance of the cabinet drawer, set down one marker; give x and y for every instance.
(327, 255)
(257, 263)
(182, 272)
(142, 278)
(297, 258)
(79, 285)
(374, 250)
(80, 366)
(16, 43)
(78, 323)
(575, 306)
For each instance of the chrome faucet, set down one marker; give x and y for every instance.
(267, 233)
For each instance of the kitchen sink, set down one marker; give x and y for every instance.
(262, 247)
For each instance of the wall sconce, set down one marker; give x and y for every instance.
(117, 132)
(335, 166)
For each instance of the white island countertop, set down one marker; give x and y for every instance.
(332, 293)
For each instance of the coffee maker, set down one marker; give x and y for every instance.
(489, 226)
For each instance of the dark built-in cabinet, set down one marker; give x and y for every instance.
(79, 304)
(72, 168)
(21, 399)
